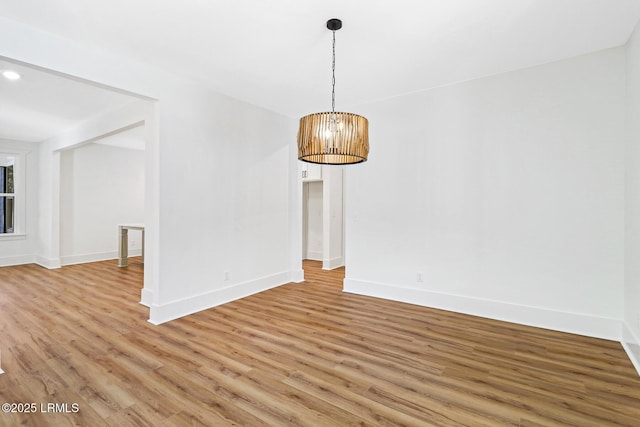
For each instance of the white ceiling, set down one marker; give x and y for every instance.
(41, 105)
(277, 53)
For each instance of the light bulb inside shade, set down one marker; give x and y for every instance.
(333, 128)
(10, 75)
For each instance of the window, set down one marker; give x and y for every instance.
(11, 193)
(7, 195)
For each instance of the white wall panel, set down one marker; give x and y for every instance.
(507, 188)
(632, 203)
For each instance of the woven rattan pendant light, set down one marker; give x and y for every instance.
(333, 138)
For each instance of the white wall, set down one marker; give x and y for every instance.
(224, 166)
(505, 193)
(101, 186)
(631, 335)
(22, 249)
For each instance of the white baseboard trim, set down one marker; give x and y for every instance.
(631, 345)
(146, 297)
(332, 263)
(50, 263)
(17, 260)
(575, 323)
(95, 257)
(176, 309)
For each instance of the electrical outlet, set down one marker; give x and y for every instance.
(419, 277)
(226, 275)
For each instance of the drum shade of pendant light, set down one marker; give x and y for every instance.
(333, 138)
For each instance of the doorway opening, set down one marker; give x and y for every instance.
(322, 218)
(312, 221)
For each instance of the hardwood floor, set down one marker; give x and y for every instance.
(299, 355)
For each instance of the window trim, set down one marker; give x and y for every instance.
(19, 192)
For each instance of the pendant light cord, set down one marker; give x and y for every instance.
(333, 75)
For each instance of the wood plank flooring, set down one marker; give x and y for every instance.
(298, 355)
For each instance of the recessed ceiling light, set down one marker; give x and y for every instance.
(11, 75)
